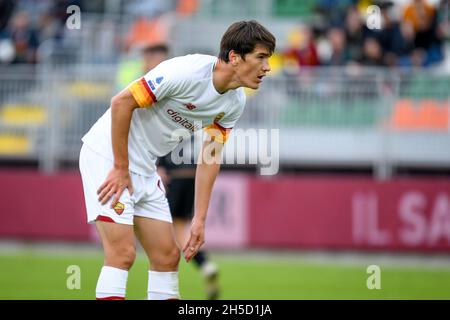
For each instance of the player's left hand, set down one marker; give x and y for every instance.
(195, 241)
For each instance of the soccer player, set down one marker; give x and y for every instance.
(181, 181)
(124, 194)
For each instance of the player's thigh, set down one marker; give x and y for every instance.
(117, 238)
(157, 237)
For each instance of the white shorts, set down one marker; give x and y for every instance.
(148, 200)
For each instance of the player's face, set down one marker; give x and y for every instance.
(254, 68)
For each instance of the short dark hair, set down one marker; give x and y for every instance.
(243, 36)
(156, 48)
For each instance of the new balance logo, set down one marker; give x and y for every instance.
(190, 106)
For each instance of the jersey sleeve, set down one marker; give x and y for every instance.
(156, 85)
(222, 125)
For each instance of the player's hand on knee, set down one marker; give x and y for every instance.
(196, 240)
(116, 182)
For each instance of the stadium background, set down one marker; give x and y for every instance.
(364, 144)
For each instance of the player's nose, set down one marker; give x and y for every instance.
(266, 66)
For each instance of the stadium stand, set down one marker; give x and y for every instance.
(331, 76)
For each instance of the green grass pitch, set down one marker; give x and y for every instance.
(42, 275)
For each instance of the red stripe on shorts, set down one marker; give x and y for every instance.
(105, 219)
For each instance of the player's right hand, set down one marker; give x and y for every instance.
(195, 241)
(116, 182)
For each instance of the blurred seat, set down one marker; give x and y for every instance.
(88, 90)
(23, 115)
(20, 124)
(14, 144)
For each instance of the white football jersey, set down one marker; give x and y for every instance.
(177, 98)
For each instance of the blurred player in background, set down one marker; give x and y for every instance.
(124, 195)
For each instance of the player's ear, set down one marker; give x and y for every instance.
(233, 57)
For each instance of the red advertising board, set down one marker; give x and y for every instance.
(283, 212)
(352, 213)
(227, 223)
(42, 207)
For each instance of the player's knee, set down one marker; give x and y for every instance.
(167, 260)
(172, 257)
(123, 257)
(176, 256)
(128, 255)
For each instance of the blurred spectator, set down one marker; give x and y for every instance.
(404, 48)
(24, 38)
(372, 52)
(396, 39)
(443, 20)
(339, 54)
(412, 34)
(355, 32)
(422, 17)
(414, 41)
(302, 50)
(333, 11)
(420, 14)
(428, 39)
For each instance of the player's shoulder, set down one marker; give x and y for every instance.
(192, 62)
(239, 97)
(236, 103)
(199, 60)
(240, 93)
(191, 66)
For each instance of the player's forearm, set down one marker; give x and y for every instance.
(204, 180)
(121, 113)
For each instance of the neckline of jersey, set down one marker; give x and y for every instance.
(212, 78)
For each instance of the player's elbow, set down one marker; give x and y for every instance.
(115, 103)
(123, 100)
(115, 100)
